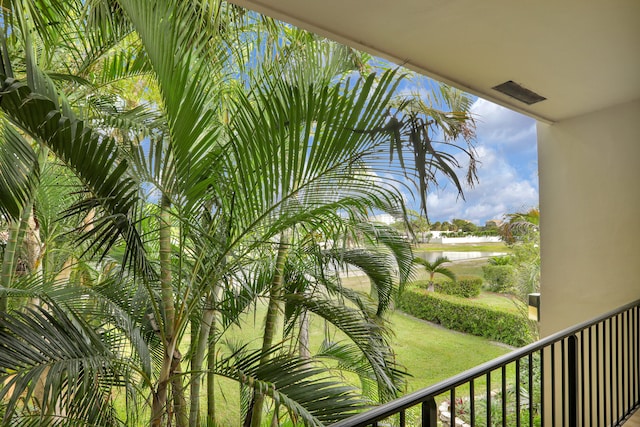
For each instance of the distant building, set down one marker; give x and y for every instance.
(385, 219)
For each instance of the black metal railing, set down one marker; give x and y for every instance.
(585, 376)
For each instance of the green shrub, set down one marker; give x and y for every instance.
(499, 278)
(465, 287)
(501, 260)
(466, 316)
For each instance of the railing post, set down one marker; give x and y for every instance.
(572, 366)
(430, 413)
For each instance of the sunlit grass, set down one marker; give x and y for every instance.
(431, 353)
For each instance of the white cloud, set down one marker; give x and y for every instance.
(507, 150)
(499, 125)
(502, 189)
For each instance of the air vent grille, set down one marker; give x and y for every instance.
(518, 92)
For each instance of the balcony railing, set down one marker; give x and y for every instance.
(586, 375)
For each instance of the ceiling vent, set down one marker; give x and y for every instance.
(518, 92)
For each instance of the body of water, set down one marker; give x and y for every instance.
(457, 256)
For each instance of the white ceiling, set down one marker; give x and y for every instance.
(582, 55)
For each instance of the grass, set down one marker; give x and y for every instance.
(429, 354)
(507, 302)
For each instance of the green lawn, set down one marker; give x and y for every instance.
(428, 352)
(507, 302)
(431, 353)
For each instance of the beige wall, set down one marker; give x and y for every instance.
(589, 169)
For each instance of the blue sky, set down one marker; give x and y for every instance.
(508, 172)
(508, 169)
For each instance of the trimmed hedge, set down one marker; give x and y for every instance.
(499, 278)
(466, 316)
(465, 287)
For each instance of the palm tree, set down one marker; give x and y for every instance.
(193, 164)
(436, 128)
(519, 225)
(242, 176)
(435, 267)
(522, 233)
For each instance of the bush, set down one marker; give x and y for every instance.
(501, 260)
(466, 316)
(499, 278)
(465, 287)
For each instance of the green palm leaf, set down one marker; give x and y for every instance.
(305, 390)
(19, 171)
(59, 352)
(367, 331)
(95, 160)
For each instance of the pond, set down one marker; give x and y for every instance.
(457, 256)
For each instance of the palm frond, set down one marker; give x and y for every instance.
(298, 152)
(365, 330)
(349, 358)
(187, 81)
(56, 358)
(19, 171)
(94, 159)
(305, 390)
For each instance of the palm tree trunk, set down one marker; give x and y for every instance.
(178, 391)
(254, 414)
(197, 361)
(165, 269)
(211, 385)
(10, 259)
(170, 371)
(303, 339)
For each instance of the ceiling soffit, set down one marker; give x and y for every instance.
(582, 56)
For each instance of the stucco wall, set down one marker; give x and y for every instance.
(590, 215)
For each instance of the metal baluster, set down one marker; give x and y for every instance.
(627, 365)
(617, 363)
(572, 367)
(541, 388)
(553, 385)
(518, 394)
(489, 398)
(472, 403)
(530, 360)
(504, 395)
(429, 413)
(610, 369)
(636, 355)
(452, 405)
(591, 374)
(582, 376)
(598, 402)
(563, 371)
